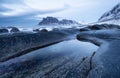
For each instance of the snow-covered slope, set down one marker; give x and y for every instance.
(112, 16)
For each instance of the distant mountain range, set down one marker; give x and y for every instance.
(55, 21)
(112, 15)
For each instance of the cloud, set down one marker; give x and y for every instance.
(12, 11)
(39, 7)
(29, 7)
(26, 10)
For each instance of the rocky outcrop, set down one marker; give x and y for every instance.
(100, 27)
(105, 61)
(36, 30)
(55, 29)
(65, 22)
(14, 29)
(55, 21)
(113, 14)
(47, 63)
(3, 30)
(16, 44)
(44, 30)
(49, 20)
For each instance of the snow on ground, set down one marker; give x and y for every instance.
(117, 22)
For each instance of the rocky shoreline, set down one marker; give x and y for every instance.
(99, 64)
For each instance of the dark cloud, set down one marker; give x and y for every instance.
(4, 9)
(23, 18)
(17, 21)
(11, 1)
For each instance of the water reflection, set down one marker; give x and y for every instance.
(66, 47)
(51, 55)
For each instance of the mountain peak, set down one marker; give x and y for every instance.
(55, 21)
(113, 14)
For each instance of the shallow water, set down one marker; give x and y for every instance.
(71, 46)
(64, 48)
(59, 57)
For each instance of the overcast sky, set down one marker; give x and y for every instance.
(18, 12)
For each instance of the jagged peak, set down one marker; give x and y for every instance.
(54, 21)
(114, 13)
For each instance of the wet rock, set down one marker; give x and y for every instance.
(44, 30)
(55, 29)
(36, 30)
(95, 27)
(84, 29)
(14, 29)
(3, 30)
(21, 41)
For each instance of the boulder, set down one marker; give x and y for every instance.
(44, 30)
(36, 30)
(14, 29)
(3, 30)
(84, 29)
(55, 29)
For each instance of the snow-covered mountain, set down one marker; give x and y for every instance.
(112, 16)
(55, 21)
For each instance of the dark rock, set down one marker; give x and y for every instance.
(55, 21)
(4, 30)
(55, 29)
(14, 29)
(36, 30)
(64, 21)
(84, 29)
(11, 44)
(49, 20)
(95, 27)
(105, 63)
(44, 30)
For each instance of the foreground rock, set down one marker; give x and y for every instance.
(38, 30)
(55, 61)
(44, 30)
(14, 29)
(105, 63)
(16, 44)
(3, 30)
